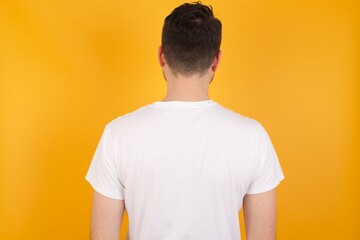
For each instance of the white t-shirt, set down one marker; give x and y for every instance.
(183, 169)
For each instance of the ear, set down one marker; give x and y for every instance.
(216, 61)
(161, 57)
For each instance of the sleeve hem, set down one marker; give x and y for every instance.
(104, 192)
(267, 187)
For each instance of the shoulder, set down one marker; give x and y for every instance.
(129, 120)
(236, 120)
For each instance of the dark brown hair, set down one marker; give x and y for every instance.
(191, 38)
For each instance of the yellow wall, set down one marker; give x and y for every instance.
(69, 67)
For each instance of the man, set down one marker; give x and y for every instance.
(184, 166)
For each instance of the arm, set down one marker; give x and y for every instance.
(260, 215)
(106, 217)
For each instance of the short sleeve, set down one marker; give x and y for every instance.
(102, 174)
(268, 172)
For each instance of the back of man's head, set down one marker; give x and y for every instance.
(191, 38)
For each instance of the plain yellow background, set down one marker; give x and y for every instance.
(69, 67)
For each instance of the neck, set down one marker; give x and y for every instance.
(189, 89)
